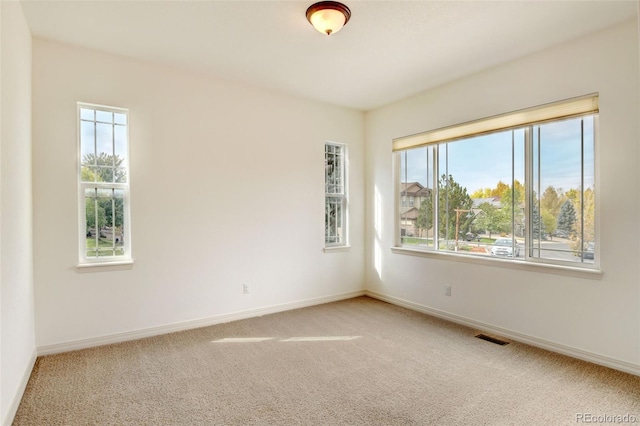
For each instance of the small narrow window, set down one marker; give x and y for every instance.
(103, 183)
(335, 183)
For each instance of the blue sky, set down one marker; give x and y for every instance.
(110, 130)
(482, 161)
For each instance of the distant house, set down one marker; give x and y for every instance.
(477, 202)
(412, 195)
(494, 201)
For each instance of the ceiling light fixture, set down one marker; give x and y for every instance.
(328, 17)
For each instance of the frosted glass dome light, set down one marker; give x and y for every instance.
(328, 17)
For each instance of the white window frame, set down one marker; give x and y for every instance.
(126, 257)
(344, 197)
(522, 119)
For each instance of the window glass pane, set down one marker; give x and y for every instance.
(120, 141)
(519, 191)
(104, 116)
(118, 219)
(458, 167)
(87, 114)
(588, 205)
(104, 193)
(87, 150)
(481, 192)
(333, 220)
(104, 136)
(104, 174)
(562, 205)
(119, 118)
(334, 168)
(89, 174)
(87, 142)
(94, 217)
(416, 184)
(442, 219)
(104, 222)
(499, 208)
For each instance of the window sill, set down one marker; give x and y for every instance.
(506, 263)
(336, 249)
(116, 266)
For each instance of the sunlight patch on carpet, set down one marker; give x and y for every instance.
(320, 339)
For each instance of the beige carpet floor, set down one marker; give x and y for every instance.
(354, 362)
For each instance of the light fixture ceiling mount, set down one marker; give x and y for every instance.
(328, 17)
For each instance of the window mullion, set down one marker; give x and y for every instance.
(113, 221)
(538, 185)
(96, 227)
(435, 198)
(528, 173)
(582, 245)
(446, 193)
(403, 192)
(513, 188)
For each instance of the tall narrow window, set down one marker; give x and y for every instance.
(103, 175)
(335, 184)
(519, 186)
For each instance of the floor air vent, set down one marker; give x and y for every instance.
(496, 340)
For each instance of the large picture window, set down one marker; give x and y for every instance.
(519, 186)
(335, 184)
(103, 175)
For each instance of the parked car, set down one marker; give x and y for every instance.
(589, 251)
(561, 233)
(505, 247)
(470, 236)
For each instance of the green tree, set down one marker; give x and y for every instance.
(584, 226)
(537, 231)
(510, 196)
(91, 216)
(548, 222)
(551, 201)
(451, 196)
(573, 195)
(109, 205)
(482, 193)
(500, 188)
(424, 221)
(512, 202)
(566, 217)
(103, 168)
(492, 219)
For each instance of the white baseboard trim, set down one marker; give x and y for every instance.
(15, 403)
(616, 364)
(187, 325)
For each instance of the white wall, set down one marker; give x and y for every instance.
(17, 312)
(227, 188)
(597, 315)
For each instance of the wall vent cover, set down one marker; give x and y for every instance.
(492, 339)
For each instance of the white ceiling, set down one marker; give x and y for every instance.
(389, 49)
